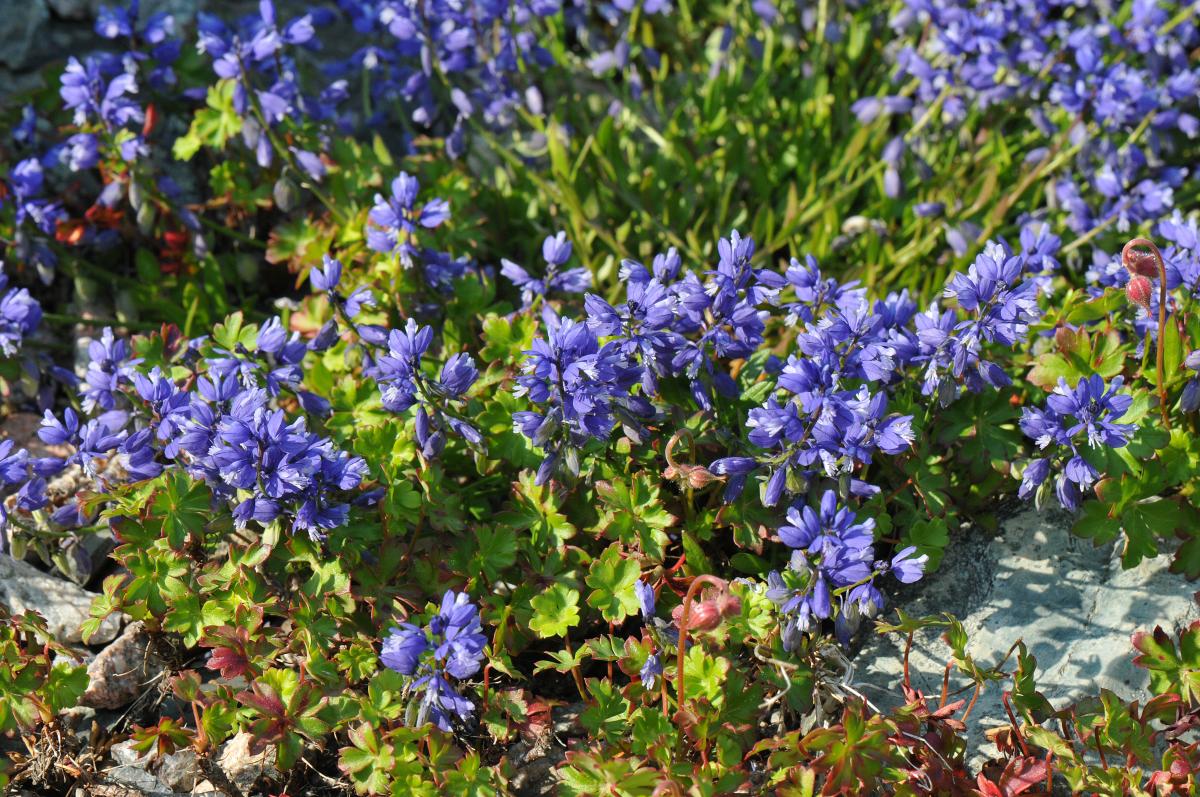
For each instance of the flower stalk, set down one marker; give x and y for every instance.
(1141, 268)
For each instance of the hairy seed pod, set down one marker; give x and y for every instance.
(1139, 290)
(700, 477)
(704, 616)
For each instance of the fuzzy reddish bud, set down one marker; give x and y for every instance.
(1140, 262)
(728, 604)
(700, 477)
(1139, 290)
(704, 616)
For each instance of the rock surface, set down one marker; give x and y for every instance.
(1072, 604)
(245, 764)
(121, 671)
(64, 604)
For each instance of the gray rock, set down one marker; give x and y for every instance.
(178, 770)
(21, 26)
(122, 671)
(1071, 603)
(245, 764)
(64, 605)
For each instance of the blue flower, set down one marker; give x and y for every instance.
(833, 527)
(645, 596)
(86, 90)
(451, 644)
(404, 385)
(583, 389)
(20, 315)
(1073, 416)
(396, 219)
(651, 671)
(556, 251)
(831, 571)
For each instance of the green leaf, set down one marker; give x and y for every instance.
(611, 578)
(213, 125)
(1095, 524)
(1172, 670)
(554, 611)
(633, 513)
(931, 538)
(1142, 523)
(184, 508)
(705, 675)
(497, 550)
(605, 717)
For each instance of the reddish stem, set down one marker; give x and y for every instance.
(697, 582)
(1162, 319)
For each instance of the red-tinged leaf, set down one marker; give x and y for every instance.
(265, 700)
(229, 662)
(948, 710)
(987, 788)
(1021, 775)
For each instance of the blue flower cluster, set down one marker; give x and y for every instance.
(583, 389)
(556, 251)
(258, 52)
(20, 315)
(448, 63)
(829, 413)
(101, 90)
(1086, 413)
(1080, 74)
(396, 221)
(832, 570)
(451, 645)
(671, 324)
(404, 385)
(218, 420)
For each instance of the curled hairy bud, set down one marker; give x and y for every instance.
(1137, 261)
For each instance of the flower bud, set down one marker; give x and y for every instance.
(699, 477)
(704, 616)
(145, 218)
(1139, 290)
(1137, 261)
(286, 194)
